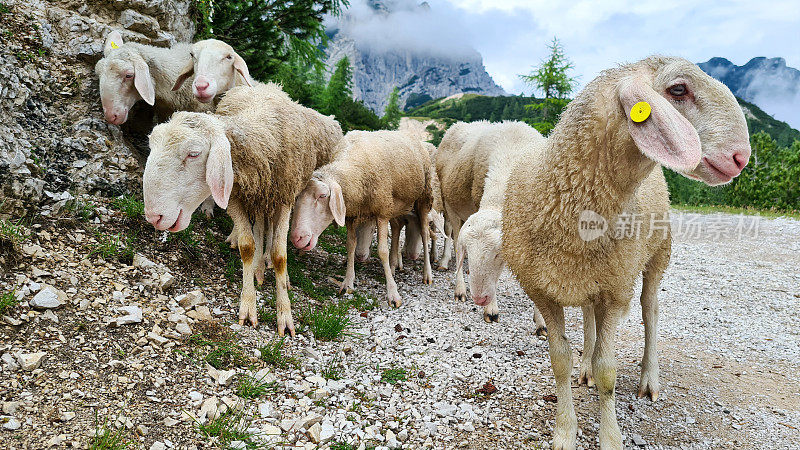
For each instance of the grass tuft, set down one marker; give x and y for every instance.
(107, 437)
(217, 346)
(333, 370)
(113, 246)
(329, 322)
(251, 387)
(229, 427)
(272, 354)
(79, 209)
(129, 205)
(394, 375)
(7, 301)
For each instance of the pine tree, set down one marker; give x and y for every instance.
(552, 79)
(391, 116)
(339, 89)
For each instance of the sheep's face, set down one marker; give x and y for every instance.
(215, 66)
(124, 80)
(364, 234)
(481, 239)
(712, 110)
(320, 203)
(189, 160)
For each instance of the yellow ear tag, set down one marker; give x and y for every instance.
(640, 112)
(114, 45)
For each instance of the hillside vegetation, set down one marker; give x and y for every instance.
(770, 181)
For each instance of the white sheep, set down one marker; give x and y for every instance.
(129, 72)
(599, 166)
(498, 147)
(377, 175)
(254, 155)
(216, 67)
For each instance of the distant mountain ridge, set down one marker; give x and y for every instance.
(766, 82)
(383, 57)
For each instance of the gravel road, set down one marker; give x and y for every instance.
(729, 348)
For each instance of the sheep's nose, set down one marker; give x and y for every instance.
(201, 85)
(153, 218)
(740, 160)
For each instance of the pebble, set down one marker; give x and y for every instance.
(133, 315)
(48, 298)
(12, 424)
(30, 361)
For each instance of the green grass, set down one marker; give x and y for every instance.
(272, 354)
(79, 209)
(129, 205)
(4, 9)
(394, 375)
(217, 346)
(334, 239)
(11, 232)
(333, 370)
(7, 301)
(362, 302)
(329, 322)
(339, 445)
(251, 387)
(735, 210)
(107, 437)
(113, 246)
(229, 427)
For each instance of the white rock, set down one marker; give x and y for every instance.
(469, 427)
(30, 361)
(141, 262)
(157, 338)
(170, 422)
(191, 299)
(222, 377)
(48, 298)
(268, 410)
(310, 419)
(166, 281)
(183, 328)
(270, 430)
(196, 398)
(200, 313)
(327, 431)
(10, 361)
(320, 394)
(50, 315)
(12, 424)
(402, 436)
(66, 416)
(10, 408)
(314, 433)
(134, 315)
(209, 409)
(237, 445)
(158, 445)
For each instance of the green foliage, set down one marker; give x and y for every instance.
(7, 301)
(333, 370)
(272, 354)
(758, 120)
(551, 75)
(11, 233)
(415, 99)
(113, 246)
(770, 181)
(107, 437)
(391, 116)
(79, 209)
(129, 205)
(472, 107)
(394, 375)
(251, 387)
(328, 322)
(4, 9)
(217, 346)
(267, 34)
(337, 99)
(233, 425)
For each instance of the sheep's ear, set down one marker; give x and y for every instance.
(461, 251)
(187, 71)
(665, 136)
(113, 40)
(241, 67)
(336, 203)
(143, 81)
(219, 170)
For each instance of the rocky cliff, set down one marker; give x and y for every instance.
(53, 140)
(767, 82)
(389, 44)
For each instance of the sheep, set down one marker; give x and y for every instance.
(377, 175)
(600, 168)
(216, 68)
(497, 148)
(129, 72)
(254, 155)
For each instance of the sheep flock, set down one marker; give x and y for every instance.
(500, 193)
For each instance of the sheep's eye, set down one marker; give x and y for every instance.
(229, 57)
(321, 196)
(194, 154)
(191, 55)
(679, 90)
(129, 75)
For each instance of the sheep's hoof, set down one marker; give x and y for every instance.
(248, 317)
(541, 331)
(586, 378)
(489, 318)
(260, 276)
(460, 297)
(648, 387)
(285, 323)
(441, 268)
(653, 395)
(394, 300)
(427, 279)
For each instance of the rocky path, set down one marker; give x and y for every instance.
(430, 374)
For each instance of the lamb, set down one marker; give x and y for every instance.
(130, 72)
(216, 68)
(599, 166)
(254, 155)
(497, 147)
(377, 175)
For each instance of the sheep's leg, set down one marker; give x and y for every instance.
(564, 435)
(258, 234)
(491, 312)
(604, 367)
(651, 279)
(427, 273)
(395, 258)
(461, 288)
(246, 244)
(434, 246)
(233, 238)
(444, 261)
(352, 243)
(588, 346)
(392, 296)
(269, 234)
(208, 207)
(281, 224)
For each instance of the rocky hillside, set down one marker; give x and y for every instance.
(421, 73)
(767, 82)
(54, 142)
